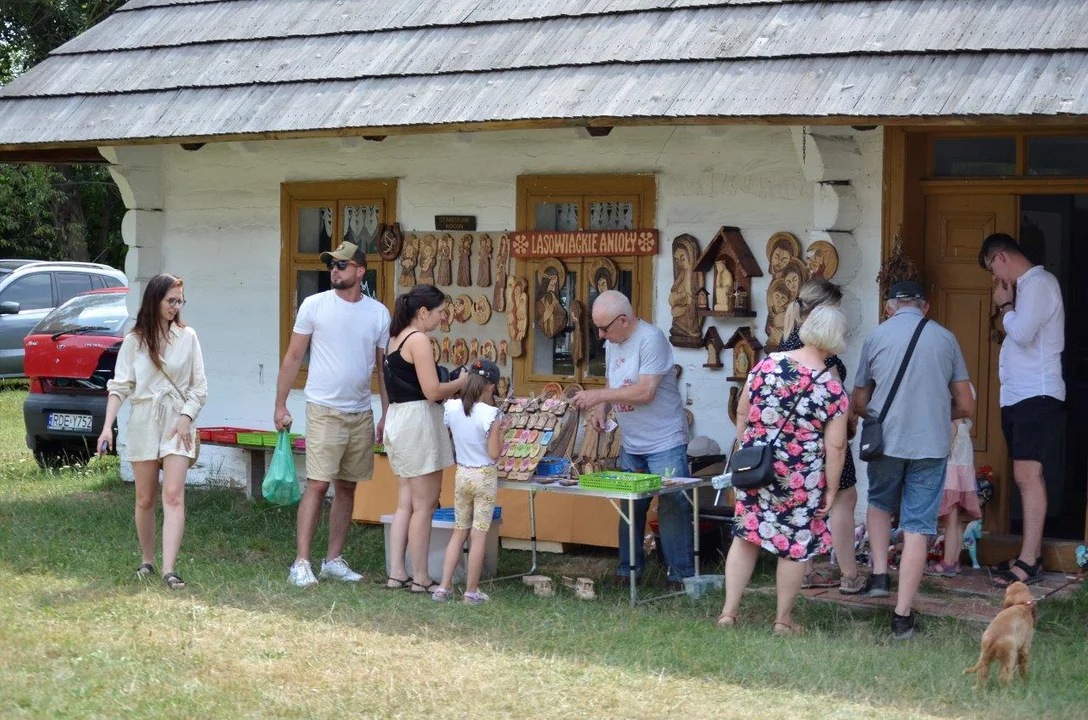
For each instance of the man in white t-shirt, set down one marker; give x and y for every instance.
(346, 333)
(643, 390)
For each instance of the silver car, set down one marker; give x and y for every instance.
(30, 289)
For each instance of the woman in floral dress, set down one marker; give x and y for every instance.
(788, 517)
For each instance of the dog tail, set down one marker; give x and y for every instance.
(983, 663)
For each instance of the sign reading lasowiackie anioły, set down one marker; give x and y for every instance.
(588, 243)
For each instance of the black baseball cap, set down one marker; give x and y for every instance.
(486, 369)
(906, 290)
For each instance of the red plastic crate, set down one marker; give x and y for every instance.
(220, 434)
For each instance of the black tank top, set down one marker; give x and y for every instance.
(401, 382)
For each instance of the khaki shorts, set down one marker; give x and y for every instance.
(339, 445)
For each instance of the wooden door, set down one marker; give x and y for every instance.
(960, 296)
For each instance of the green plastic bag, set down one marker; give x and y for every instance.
(280, 486)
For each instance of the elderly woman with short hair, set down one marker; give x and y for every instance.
(788, 517)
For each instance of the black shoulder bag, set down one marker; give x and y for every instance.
(753, 467)
(871, 444)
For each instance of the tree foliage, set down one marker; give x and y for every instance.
(69, 212)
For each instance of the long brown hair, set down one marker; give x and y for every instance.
(472, 391)
(148, 325)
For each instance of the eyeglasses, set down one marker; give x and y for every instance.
(339, 264)
(990, 262)
(174, 302)
(604, 328)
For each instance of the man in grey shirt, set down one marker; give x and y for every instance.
(909, 477)
(643, 390)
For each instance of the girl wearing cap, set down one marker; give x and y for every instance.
(416, 440)
(477, 441)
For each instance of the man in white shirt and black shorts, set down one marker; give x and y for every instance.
(1029, 300)
(346, 333)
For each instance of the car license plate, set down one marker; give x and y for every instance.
(68, 421)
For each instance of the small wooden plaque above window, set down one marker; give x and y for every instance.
(590, 243)
(455, 222)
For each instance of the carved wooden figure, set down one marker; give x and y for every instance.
(551, 316)
(408, 256)
(714, 345)
(481, 310)
(444, 274)
(734, 267)
(502, 352)
(459, 354)
(483, 269)
(487, 350)
(436, 350)
(464, 261)
(502, 388)
(577, 347)
(447, 316)
(428, 252)
(473, 350)
(517, 314)
(723, 286)
(502, 262)
(462, 308)
(746, 348)
(686, 330)
(445, 350)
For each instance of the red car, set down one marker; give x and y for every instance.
(69, 358)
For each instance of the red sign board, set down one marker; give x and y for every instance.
(589, 243)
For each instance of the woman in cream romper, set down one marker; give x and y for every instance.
(161, 371)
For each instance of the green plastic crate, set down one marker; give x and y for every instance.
(269, 439)
(620, 481)
(251, 438)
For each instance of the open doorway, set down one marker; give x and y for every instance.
(1054, 234)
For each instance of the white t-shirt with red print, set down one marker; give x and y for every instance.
(659, 425)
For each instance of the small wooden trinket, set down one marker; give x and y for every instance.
(390, 242)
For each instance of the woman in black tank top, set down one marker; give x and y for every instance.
(416, 440)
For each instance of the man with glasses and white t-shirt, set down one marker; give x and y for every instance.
(346, 333)
(643, 390)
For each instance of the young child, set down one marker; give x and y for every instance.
(960, 496)
(477, 441)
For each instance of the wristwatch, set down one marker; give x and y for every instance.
(1004, 305)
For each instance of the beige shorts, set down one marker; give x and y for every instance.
(147, 435)
(339, 445)
(474, 497)
(416, 439)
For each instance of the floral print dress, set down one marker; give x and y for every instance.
(780, 517)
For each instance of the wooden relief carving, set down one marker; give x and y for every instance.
(551, 316)
(517, 314)
(459, 353)
(714, 345)
(734, 400)
(687, 325)
(444, 275)
(487, 350)
(781, 248)
(502, 262)
(502, 388)
(778, 299)
(436, 350)
(464, 261)
(822, 259)
(428, 251)
(390, 242)
(483, 270)
(577, 347)
(723, 285)
(462, 308)
(408, 256)
(604, 274)
(473, 350)
(481, 310)
(447, 316)
(445, 349)
(746, 350)
(502, 352)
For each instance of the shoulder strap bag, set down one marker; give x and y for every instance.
(196, 435)
(753, 467)
(871, 444)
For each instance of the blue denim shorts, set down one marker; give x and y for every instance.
(914, 486)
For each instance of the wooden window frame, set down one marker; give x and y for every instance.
(337, 195)
(533, 189)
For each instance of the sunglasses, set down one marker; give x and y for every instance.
(339, 264)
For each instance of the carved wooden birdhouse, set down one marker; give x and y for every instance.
(733, 266)
(746, 349)
(714, 345)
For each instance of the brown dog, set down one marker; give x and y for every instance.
(1008, 637)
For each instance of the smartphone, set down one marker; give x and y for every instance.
(104, 447)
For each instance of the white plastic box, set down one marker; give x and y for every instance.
(441, 532)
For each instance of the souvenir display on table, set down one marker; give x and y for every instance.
(483, 270)
(481, 310)
(444, 272)
(459, 353)
(551, 315)
(600, 449)
(517, 314)
(462, 308)
(822, 259)
(409, 254)
(528, 425)
(390, 242)
(428, 255)
(687, 324)
(730, 260)
(502, 262)
(487, 350)
(464, 261)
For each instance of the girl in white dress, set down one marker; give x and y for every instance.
(959, 504)
(161, 370)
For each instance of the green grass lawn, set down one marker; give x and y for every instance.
(82, 637)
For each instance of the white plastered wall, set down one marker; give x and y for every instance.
(220, 229)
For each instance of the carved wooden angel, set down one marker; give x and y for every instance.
(464, 261)
(445, 350)
(502, 262)
(444, 274)
(428, 250)
(408, 255)
(517, 316)
(483, 269)
(473, 350)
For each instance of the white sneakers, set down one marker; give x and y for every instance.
(302, 575)
(338, 569)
